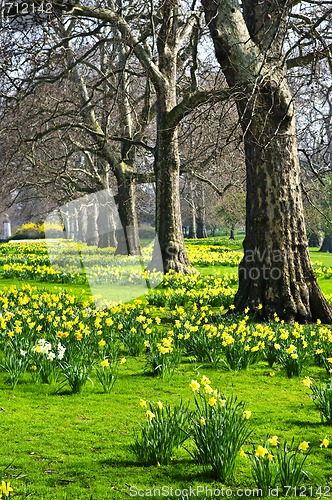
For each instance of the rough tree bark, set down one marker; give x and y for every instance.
(275, 270)
(167, 160)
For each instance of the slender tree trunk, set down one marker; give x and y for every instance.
(327, 244)
(92, 236)
(193, 222)
(201, 214)
(167, 174)
(106, 225)
(127, 236)
(315, 240)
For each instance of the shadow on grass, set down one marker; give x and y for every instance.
(301, 423)
(182, 469)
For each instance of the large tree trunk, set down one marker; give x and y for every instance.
(168, 215)
(167, 162)
(275, 271)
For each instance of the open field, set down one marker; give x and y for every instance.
(67, 432)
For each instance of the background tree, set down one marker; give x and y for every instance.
(232, 210)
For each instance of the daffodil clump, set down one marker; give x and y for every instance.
(293, 349)
(164, 430)
(213, 255)
(53, 336)
(322, 271)
(220, 429)
(63, 262)
(5, 489)
(322, 342)
(194, 289)
(321, 394)
(279, 465)
(107, 371)
(162, 355)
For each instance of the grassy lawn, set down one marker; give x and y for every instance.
(78, 446)
(59, 445)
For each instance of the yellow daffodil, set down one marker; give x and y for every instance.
(105, 363)
(242, 454)
(247, 414)
(304, 445)
(205, 380)
(150, 415)
(273, 440)
(212, 401)
(194, 385)
(325, 442)
(307, 381)
(142, 403)
(5, 488)
(261, 451)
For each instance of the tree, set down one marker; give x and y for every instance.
(275, 271)
(163, 36)
(231, 210)
(160, 43)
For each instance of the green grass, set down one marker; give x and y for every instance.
(316, 256)
(78, 446)
(59, 446)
